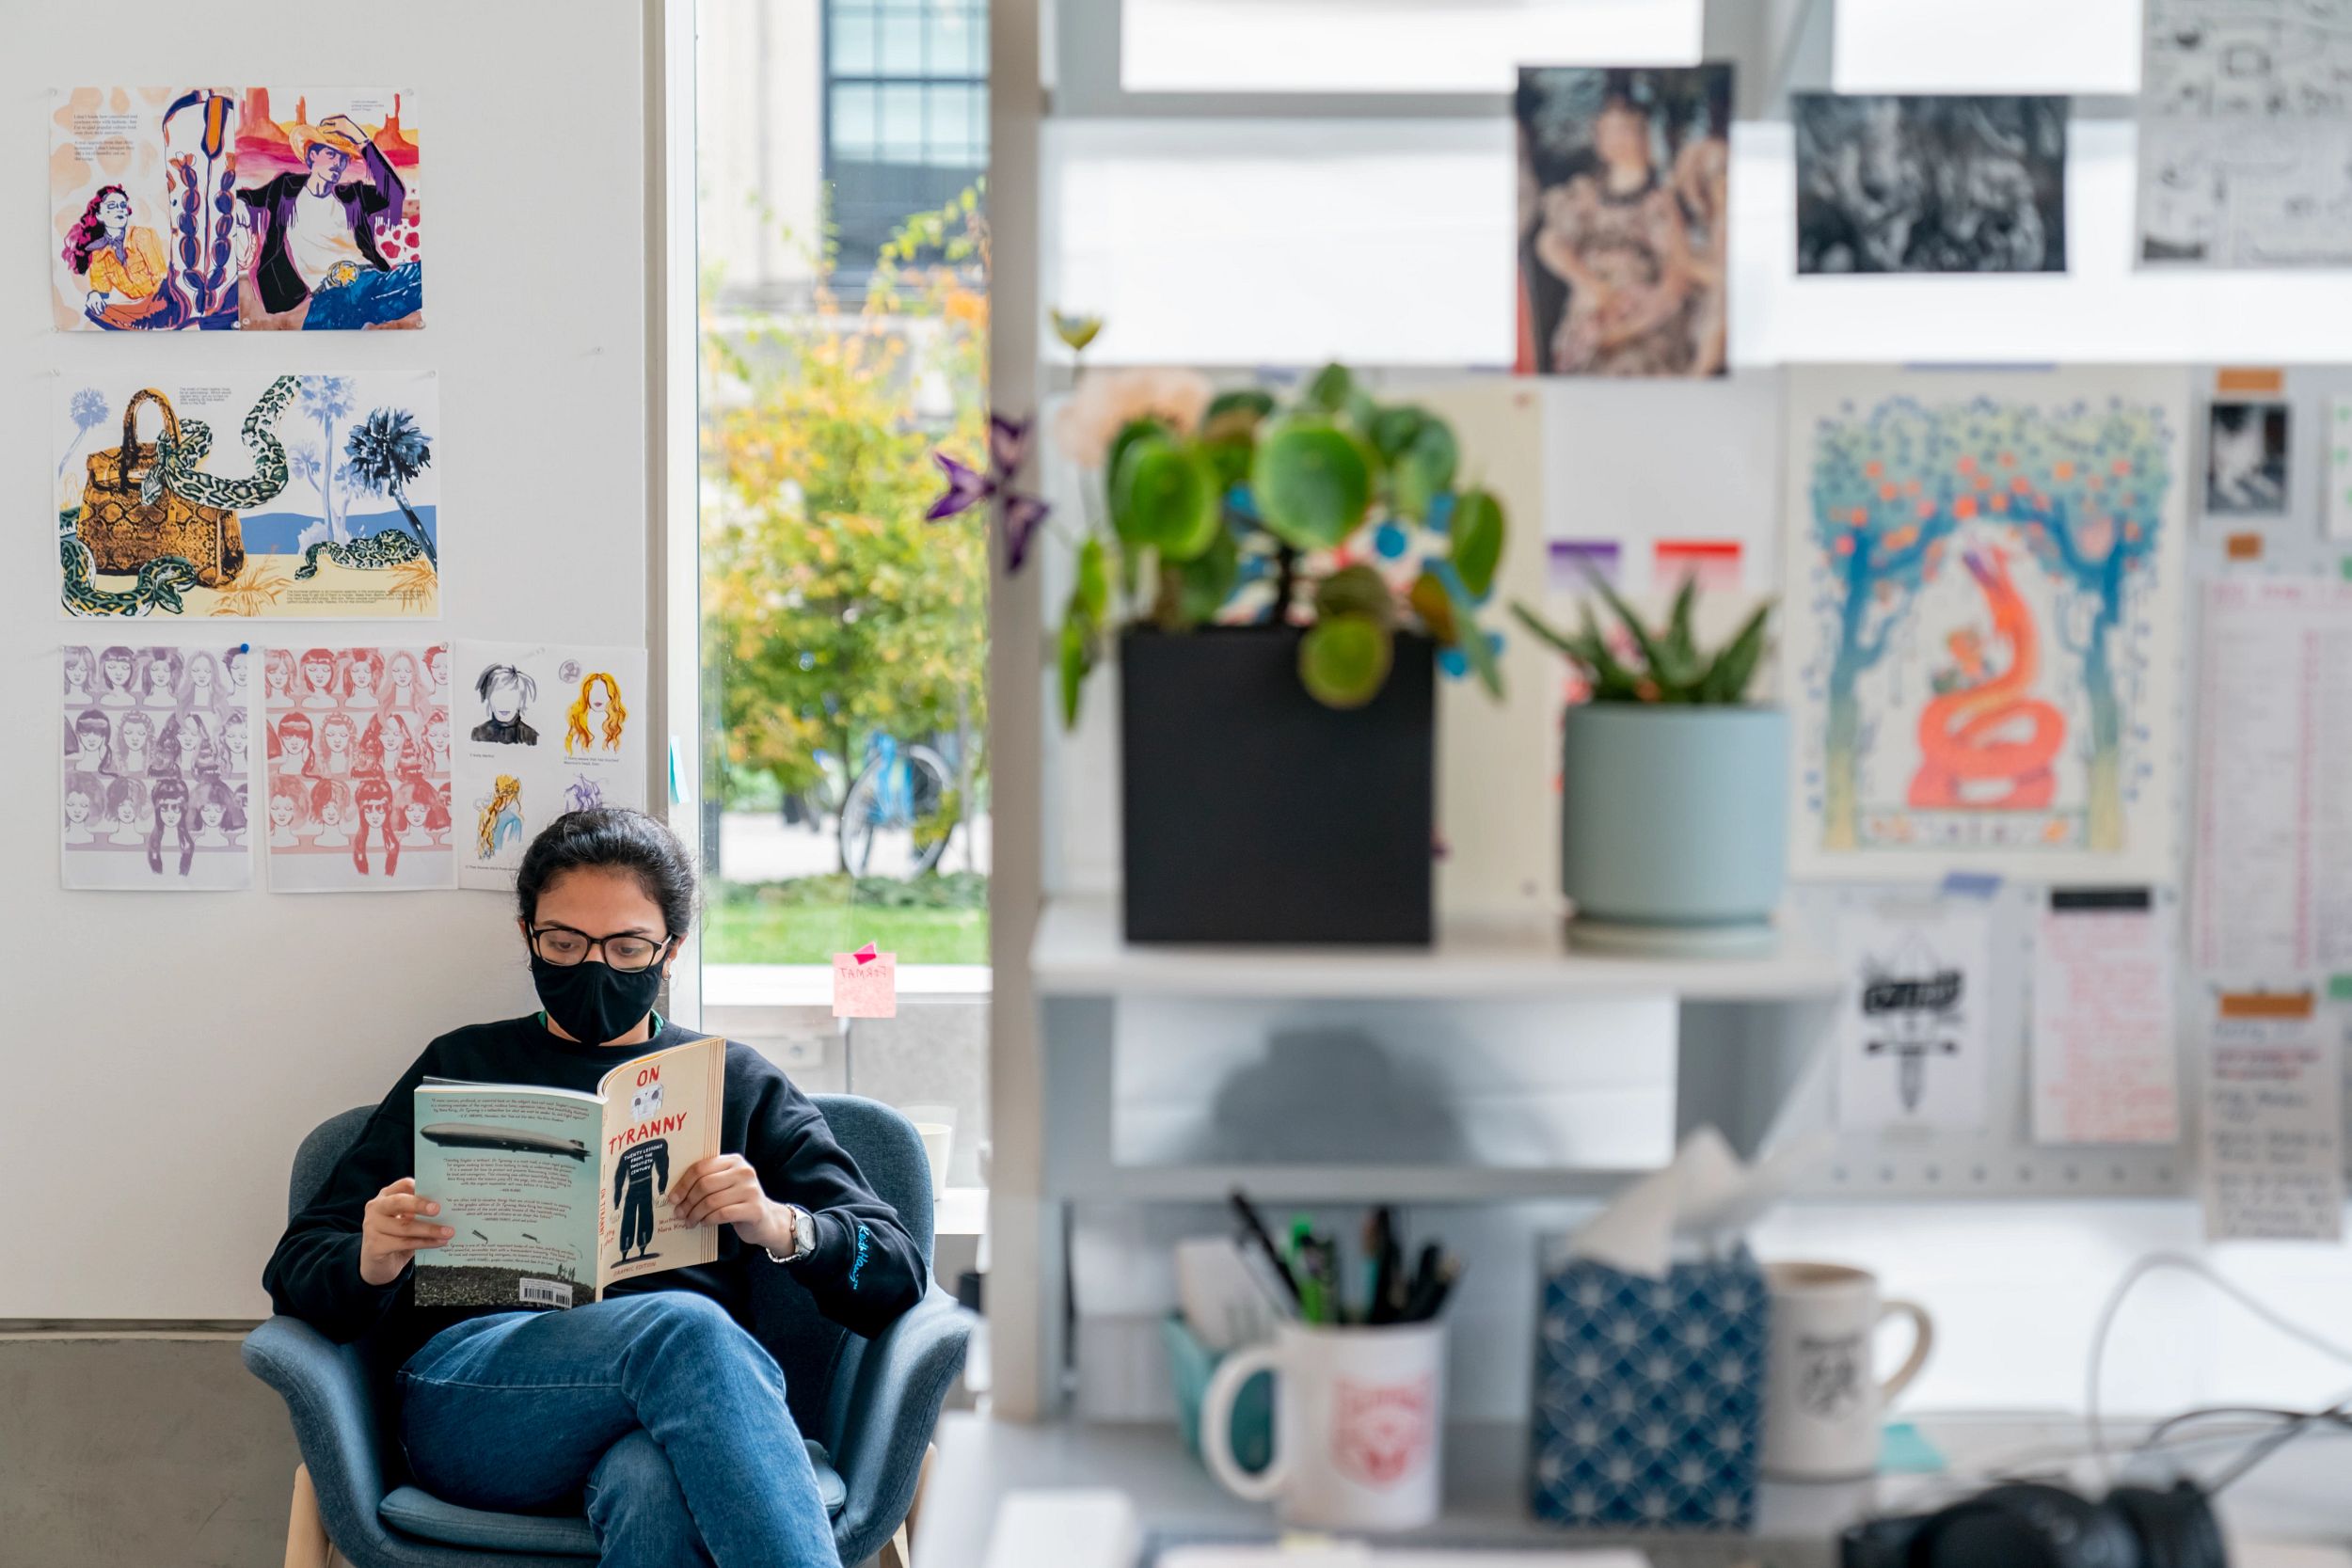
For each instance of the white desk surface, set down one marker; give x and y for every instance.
(2300, 1495)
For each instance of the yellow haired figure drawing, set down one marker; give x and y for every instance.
(501, 820)
(599, 699)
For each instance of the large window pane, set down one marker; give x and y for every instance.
(845, 765)
(1396, 46)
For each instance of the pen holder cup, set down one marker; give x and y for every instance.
(1650, 1395)
(1359, 1424)
(1190, 1365)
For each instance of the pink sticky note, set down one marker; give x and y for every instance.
(865, 984)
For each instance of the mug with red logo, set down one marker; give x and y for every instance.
(1359, 1416)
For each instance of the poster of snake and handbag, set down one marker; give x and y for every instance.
(204, 494)
(1980, 644)
(210, 209)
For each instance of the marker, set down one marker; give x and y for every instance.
(1256, 1227)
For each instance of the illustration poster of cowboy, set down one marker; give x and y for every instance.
(203, 493)
(216, 209)
(1983, 622)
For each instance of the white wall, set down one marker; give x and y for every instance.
(166, 1053)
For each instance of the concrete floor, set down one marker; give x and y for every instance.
(139, 1453)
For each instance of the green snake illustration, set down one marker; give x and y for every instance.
(162, 581)
(373, 553)
(177, 466)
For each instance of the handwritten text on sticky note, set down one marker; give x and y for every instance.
(865, 984)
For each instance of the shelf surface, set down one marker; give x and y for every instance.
(2297, 1497)
(1082, 951)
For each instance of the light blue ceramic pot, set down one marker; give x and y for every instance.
(1674, 824)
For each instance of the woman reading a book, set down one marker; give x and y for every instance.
(656, 1401)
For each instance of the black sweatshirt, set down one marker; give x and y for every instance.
(864, 1272)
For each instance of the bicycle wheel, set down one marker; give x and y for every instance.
(930, 787)
(863, 820)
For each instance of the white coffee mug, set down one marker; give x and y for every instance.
(1823, 1400)
(1359, 1423)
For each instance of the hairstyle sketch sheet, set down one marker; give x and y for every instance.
(206, 209)
(2246, 133)
(359, 754)
(158, 752)
(190, 493)
(542, 729)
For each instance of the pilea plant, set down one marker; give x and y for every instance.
(1669, 666)
(1337, 512)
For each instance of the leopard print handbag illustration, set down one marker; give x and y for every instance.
(133, 515)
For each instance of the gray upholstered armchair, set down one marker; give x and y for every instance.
(869, 1407)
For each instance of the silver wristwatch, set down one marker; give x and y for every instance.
(804, 1237)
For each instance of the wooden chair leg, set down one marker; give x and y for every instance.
(307, 1544)
(896, 1552)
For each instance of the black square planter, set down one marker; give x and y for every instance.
(1254, 813)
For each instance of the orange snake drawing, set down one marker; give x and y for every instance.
(1972, 756)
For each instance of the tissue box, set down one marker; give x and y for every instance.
(1650, 1395)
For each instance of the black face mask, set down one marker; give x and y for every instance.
(592, 1001)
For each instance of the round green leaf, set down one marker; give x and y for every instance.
(1477, 530)
(1244, 400)
(1343, 660)
(1423, 470)
(1208, 579)
(1075, 661)
(1312, 483)
(1356, 590)
(1392, 430)
(1171, 500)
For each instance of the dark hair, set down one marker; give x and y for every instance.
(611, 838)
(87, 233)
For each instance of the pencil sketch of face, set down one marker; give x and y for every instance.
(503, 697)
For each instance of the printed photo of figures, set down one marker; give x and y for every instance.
(212, 209)
(2245, 460)
(1624, 220)
(1929, 184)
(158, 767)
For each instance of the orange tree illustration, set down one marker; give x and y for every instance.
(2081, 485)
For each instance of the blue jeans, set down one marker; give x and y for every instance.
(660, 1406)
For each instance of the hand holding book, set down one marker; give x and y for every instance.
(725, 1189)
(393, 1230)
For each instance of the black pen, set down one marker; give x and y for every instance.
(1256, 1226)
(1429, 1294)
(1381, 1256)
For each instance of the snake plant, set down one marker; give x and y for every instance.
(1669, 666)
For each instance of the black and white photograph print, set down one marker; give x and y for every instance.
(2245, 460)
(1934, 184)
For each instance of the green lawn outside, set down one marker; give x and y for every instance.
(753, 933)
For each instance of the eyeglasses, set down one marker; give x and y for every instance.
(561, 945)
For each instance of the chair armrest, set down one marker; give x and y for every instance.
(902, 1381)
(327, 1393)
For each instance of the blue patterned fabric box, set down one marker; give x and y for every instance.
(1650, 1395)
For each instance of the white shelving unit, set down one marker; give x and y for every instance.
(1081, 951)
(1086, 976)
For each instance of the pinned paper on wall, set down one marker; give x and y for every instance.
(865, 984)
(359, 768)
(2273, 1165)
(157, 790)
(1573, 564)
(2337, 515)
(2273, 865)
(542, 729)
(1912, 1032)
(2104, 1055)
(1983, 602)
(1713, 564)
